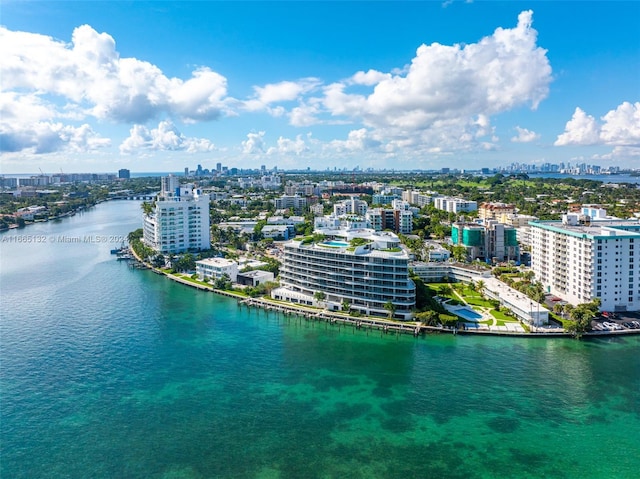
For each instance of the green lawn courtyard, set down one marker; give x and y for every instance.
(463, 294)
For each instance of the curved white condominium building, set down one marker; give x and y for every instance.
(368, 273)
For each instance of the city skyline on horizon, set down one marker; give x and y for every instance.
(463, 85)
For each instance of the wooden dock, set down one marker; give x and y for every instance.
(385, 326)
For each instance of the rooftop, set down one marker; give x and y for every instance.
(600, 229)
(219, 262)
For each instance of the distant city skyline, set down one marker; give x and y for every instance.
(150, 87)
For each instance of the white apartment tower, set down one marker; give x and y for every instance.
(180, 220)
(352, 206)
(579, 259)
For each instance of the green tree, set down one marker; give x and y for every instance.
(581, 316)
(459, 253)
(223, 282)
(558, 308)
(445, 290)
(391, 308)
(480, 285)
(429, 318)
(158, 261)
(346, 305)
(147, 208)
(135, 235)
(320, 295)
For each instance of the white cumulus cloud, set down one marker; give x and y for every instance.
(254, 143)
(90, 73)
(266, 96)
(49, 137)
(447, 95)
(27, 124)
(524, 136)
(619, 127)
(287, 146)
(165, 137)
(357, 140)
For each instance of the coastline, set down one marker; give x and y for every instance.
(415, 328)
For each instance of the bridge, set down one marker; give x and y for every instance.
(134, 197)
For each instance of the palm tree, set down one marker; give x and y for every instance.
(460, 253)
(147, 208)
(568, 308)
(558, 308)
(320, 296)
(346, 305)
(391, 308)
(429, 318)
(480, 287)
(445, 290)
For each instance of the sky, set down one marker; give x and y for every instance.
(90, 86)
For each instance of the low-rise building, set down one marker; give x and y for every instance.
(296, 203)
(278, 232)
(352, 206)
(495, 211)
(215, 268)
(254, 278)
(516, 220)
(454, 205)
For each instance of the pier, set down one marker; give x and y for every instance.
(382, 325)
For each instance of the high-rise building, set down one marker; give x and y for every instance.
(180, 219)
(124, 174)
(488, 240)
(169, 185)
(578, 259)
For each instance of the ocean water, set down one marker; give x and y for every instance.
(107, 372)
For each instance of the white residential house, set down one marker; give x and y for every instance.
(215, 268)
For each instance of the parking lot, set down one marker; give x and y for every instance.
(619, 321)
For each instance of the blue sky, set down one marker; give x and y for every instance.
(157, 86)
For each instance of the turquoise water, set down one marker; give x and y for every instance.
(112, 373)
(469, 314)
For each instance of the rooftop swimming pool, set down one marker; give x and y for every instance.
(336, 244)
(468, 314)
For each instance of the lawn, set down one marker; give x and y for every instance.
(473, 298)
(478, 302)
(191, 280)
(501, 318)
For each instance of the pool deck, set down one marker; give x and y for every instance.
(456, 310)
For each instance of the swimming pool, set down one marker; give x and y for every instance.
(468, 314)
(336, 244)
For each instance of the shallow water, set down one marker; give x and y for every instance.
(108, 372)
